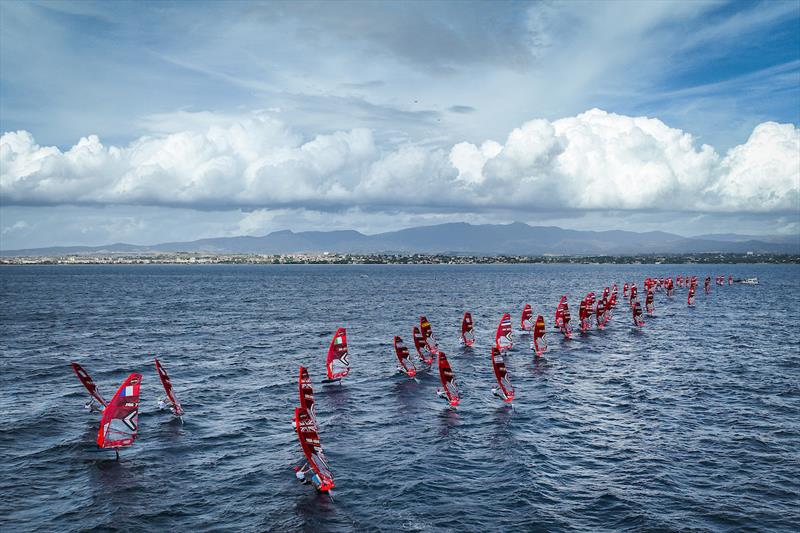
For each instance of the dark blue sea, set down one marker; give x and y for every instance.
(691, 424)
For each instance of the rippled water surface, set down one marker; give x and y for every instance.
(690, 424)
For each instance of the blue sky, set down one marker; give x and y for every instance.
(379, 115)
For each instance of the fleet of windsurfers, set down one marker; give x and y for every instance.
(424, 341)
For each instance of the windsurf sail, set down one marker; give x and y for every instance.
(338, 364)
(559, 312)
(526, 320)
(423, 352)
(638, 321)
(404, 358)
(502, 339)
(306, 390)
(501, 373)
(312, 448)
(649, 303)
(450, 389)
(565, 318)
(583, 314)
(427, 334)
(119, 426)
(539, 331)
(600, 311)
(467, 330)
(690, 297)
(87, 382)
(634, 292)
(162, 373)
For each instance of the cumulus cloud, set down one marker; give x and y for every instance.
(16, 226)
(593, 161)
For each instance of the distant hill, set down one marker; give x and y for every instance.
(454, 238)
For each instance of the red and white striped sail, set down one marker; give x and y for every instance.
(467, 330)
(502, 338)
(338, 364)
(448, 379)
(404, 358)
(501, 374)
(539, 332)
(87, 382)
(526, 320)
(427, 334)
(306, 390)
(423, 352)
(306, 428)
(162, 373)
(119, 426)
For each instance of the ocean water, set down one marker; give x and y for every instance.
(692, 423)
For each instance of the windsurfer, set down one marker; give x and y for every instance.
(162, 404)
(306, 475)
(92, 407)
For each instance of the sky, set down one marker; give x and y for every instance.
(154, 122)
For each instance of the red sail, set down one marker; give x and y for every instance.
(501, 373)
(404, 358)
(306, 391)
(88, 383)
(162, 373)
(565, 319)
(427, 334)
(599, 312)
(637, 314)
(448, 380)
(583, 314)
(526, 320)
(423, 352)
(539, 332)
(312, 448)
(338, 364)
(467, 330)
(502, 339)
(119, 426)
(560, 311)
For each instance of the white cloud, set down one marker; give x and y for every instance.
(16, 226)
(596, 160)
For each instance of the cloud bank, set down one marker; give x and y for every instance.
(593, 161)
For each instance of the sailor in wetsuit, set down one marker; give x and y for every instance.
(92, 407)
(162, 404)
(306, 475)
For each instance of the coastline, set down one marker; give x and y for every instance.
(194, 258)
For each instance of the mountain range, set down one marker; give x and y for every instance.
(454, 238)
